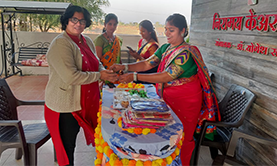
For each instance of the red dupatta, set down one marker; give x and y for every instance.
(209, 110)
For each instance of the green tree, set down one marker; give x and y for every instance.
(46, 21)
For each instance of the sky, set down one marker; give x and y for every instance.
(153, 10)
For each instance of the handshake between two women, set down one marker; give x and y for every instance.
(113, 76)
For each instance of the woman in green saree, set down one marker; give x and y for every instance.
(108, 45)
(182, 81)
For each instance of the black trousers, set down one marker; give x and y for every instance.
(69, 128)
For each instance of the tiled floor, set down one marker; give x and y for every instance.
(32, 88)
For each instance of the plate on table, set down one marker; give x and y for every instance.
(123, 96)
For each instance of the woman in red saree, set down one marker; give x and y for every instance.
(147, 46)
(182, 81)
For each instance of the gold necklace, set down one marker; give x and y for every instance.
(109, 39)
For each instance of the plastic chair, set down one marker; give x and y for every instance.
(233, 109)
(26, 139)
(230, 158)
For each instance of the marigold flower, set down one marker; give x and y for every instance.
(106, 149)
(177, 151)
(179, 146)
(153, 130)
(125, 162)
(113, 157)
(98, 114)
(145, 131)
(139, 163)
(97, 161)
(168, 160)
(97, 129)
(160, 161)
(119, 119)
(130, 130)
(138, 131)
(117, 163)
(102, 141)
(155, 163)
(132, 163)
(147, 163)
(120, 124)
(97, 141)
(109, 152)
(164, 163)
(105, 144)
(100, 149)
(99, 156)
(173, 155)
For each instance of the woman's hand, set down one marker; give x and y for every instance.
(108, 75)
(101, 84)
(135, 55)
(125, 78)
(117, 67)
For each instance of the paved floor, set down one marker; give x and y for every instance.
(32, 88)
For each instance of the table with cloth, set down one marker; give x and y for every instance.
(153, 146)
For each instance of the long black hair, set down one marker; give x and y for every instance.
(146, 24)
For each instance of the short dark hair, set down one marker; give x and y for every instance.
(146, 24)
(178, 21)
(69, 12)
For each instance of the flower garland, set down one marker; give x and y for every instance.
(102, 147)
(137, 131)
(130, 85)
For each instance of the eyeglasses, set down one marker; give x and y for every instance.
(75, 21)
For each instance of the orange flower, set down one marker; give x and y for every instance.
(108, 164)
(138, 131)
(119, 119)
(147, 163)
(99, 156)
(105, 144)
(173, 155)
(110, 151)
(132, 163)
(153, 130)
(179, 146)
(164, 163)
(117, 163)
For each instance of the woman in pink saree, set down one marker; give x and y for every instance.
(182, 81)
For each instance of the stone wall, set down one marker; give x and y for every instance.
(243, 56)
